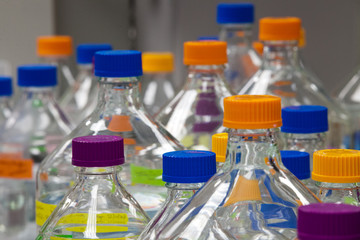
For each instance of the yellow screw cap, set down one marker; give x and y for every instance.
(54, 46)
(252, 112)
(157, 62)
(219, 145)
(336, 166)
(302, 39)
(205, 53)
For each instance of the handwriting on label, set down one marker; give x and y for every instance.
(43, 212)
(101, 218)
(15, 168)
(67, 237)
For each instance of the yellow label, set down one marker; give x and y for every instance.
(101, 218)
(99, 229)
(43, 212)
(69, 238)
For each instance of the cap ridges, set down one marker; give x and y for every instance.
(37, 75)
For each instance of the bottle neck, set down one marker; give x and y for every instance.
(204, 77)
(182, 191)
(44, 93)
(339, 186)
(253, 149)
(55, 60)
(237, 34)
(280, 54)
(118, 96)
(97, 173)
(84, 71)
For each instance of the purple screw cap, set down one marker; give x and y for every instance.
(329, 221)
(97, 151)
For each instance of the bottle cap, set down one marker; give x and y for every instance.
(54, 46)
(259, 47)
(228, 13)
(37, 75)
(208, 38)
(5, 86)
(118, 63)
(219, 145)
(279, 29)
(205, 53)
(157, 62)
(302, 39)
(297, 162)
(97, 151)
(85, 52)
(188, 166)
(320, 221)
(305, 119)
(252, 112)
(336, 166)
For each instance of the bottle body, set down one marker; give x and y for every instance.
(120, 113)
(251, 197)
(5, 109)
(80, 101)
(348, 193)
(243, 60)
(65, 77)
(156, 90)
(196, 111)
(281, 75)
(35, 128)
(106, 213)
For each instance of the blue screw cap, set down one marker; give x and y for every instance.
(236, 13)
(208, 38)
(118, 63)
(297, 162)
(85, 52)
(37, 75)
(188, 166)
(305, 119)
(5, 86)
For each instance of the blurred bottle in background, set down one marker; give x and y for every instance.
(197, 110)
(6, 92)
(119, 112)
(328, 221)
(156, 87)
(56, 50)
(236, 29)
(337, 172)
(305, 128)
(34, 129)
(79, 101)
(282, 75)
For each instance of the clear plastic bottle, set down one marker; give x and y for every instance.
(236, 21)
(81, 99)
(253, 196)
(98, 206)
(119, 112)
(282, 75)
(328, 221)
(218, 146)
(56, 50)
(157, 88)
(5, 95)
(35, 128)
(337, 172)
(184, 172)
(298, 164)
(196, 111)
(305, 128)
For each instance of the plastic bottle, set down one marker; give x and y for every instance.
(5, 93)
(98, 206)
(219, 145)
(118, 112)
(157, 88)
(338, 174)
(184, 172)
(56, 50)
(328, 221)
(36, 126)
(196, 111)
(282, 75)
(236, 21)
(298, 164)
(81, 99)
(253, 196)
(305, 128)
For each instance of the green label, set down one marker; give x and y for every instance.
(144, 175)
(350, 201)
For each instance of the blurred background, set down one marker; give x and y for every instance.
(332, 28)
